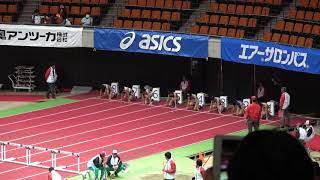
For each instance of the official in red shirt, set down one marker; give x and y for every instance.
(253, 114)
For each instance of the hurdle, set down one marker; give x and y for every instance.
(28, 162)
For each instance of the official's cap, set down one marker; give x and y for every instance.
(103, 153)
(307, 122)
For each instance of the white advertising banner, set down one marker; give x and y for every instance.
(40, 36)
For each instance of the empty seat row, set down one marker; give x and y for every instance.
(221, 31)
(149, 14)
(11, 2)
(76, 2)
(288, 39)
(304, 15)
(239, 9)
(264, 2)
(297, 27)
(11, 8)
(6, 19)
(75, 21)
(141, 25)
(167, 4)
(228, 20)
(73, 10)
(310, 3)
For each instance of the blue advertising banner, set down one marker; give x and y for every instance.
(270, 54)
(151, 42)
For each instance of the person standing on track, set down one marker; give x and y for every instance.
(51, 78)
(97, 163)
(184, 86)
(261, 93)
(253, 115)
(54, 175)
(284, 107)
(169, 169)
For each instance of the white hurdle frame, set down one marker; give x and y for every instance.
(28, 162)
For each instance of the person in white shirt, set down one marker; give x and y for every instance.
(185, 86)
(284, 107)
(97, 163)
(67, 22)
(114, 163)
(169, 169)
(261, 93)
(310, 131)
(200, 172)
(51, 78)
(87, 20)
(36, 18)
(53, 175)
(301, 133)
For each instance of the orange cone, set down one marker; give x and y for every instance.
(201, 156)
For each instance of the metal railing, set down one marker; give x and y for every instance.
(28, 161)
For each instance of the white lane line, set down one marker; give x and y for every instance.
(66, 119)
(52, 114)
(122, 132)
(120, 142)
(140, 147)
(41, 109)
(92, 130)
(152, 144)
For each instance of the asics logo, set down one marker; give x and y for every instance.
(154, 42)
(127, 41)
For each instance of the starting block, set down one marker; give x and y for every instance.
(270, 108)
(155, 94)
(200, 97)
(136, 90)
(115, 88)
(179, 96)
(246, 103)
(224, 100)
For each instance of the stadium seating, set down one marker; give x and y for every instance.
(156, 14)
(235, 18)
(76, 9)
(300, 28)
(9, 10)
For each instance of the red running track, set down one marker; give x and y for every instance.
(22, 98)
(93, 124)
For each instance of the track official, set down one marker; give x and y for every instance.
(253, 114)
